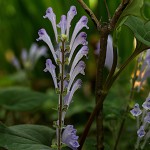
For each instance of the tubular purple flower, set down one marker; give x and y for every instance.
(109, 53)
(36, 52)
(69, 137)
(52, 17)
(70, 15)
(15, 63)
(63, 24)
(68, 97)
(51, 68)
(24, 56)
(80, 39)
(136, 110)
(82, 52)
(146, 104)
(80, 24)
(42, 51)
(141, 132)
(147, 118)
(78, 69)
(44, 36)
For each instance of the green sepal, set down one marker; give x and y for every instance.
(68, 77)
(65, 92)
(58, 61)
(67, 61)
(64, 37)
(65, 107)
(57, 91)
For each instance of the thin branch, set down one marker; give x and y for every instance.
(91, 14)
(109, 16)
(118, 13)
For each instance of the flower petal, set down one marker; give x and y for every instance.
(70, 15)
(51, 68)
(68, 98)
(136, 110)
(80, 39)
(80, 24)
(69, 137)
(82, 52)
(52, 17)
(44, 36)
(63, 24)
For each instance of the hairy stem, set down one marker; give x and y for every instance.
(61, 98)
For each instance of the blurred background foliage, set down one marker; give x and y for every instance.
(20, 21)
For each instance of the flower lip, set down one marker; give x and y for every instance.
(73, 9)
(84, 20)
(49, 10)
(83, 35)
(85, 50)
(41, 32)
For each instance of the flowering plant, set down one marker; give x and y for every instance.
(64, 82)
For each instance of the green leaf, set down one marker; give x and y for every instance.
(140, 29)
(21, 99)
(26, 137)
(134, 8)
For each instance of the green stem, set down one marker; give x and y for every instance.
(61, 98)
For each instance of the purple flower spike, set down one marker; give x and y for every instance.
(80, 39)
(136, 110)
(44, 36)
(78, 69)
(51, 68)
(68, 97)
(63, 24)
(69, 137)
(82, 52)
(52, 17)
(141, 132)
(146, 104)
(147, 118)
(70, 15)
(80, 24)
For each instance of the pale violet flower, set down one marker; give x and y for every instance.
(69, 137)
(29, 59)
(143, 122)
(15, 63)
(80, 39)
(63, 24)
(147, 118)
(44, 36)
(70, 15)
(146, 104)
(81, 23)
(51, 68)
(52, 17)
(136, 111)
(109, 53)
(141, 132)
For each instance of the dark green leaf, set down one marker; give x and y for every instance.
(21, 99)
(26, 137)
(140, 29)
